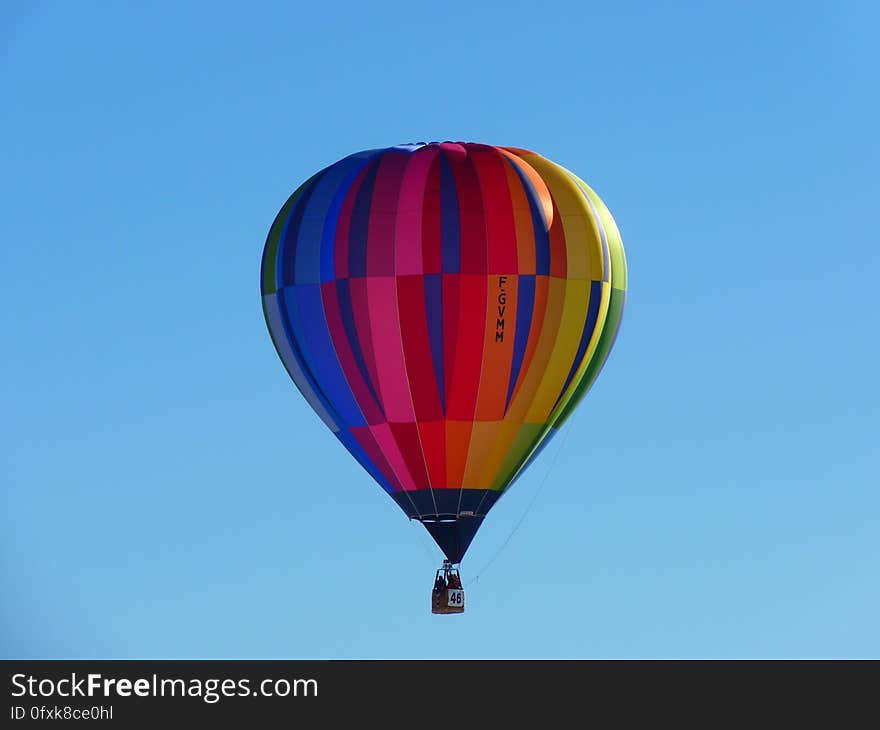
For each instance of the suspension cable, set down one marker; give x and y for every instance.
(528, 508)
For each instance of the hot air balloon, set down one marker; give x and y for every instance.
(443, 307)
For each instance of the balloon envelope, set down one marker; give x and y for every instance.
(443, 307)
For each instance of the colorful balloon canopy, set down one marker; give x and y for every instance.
(443, 307)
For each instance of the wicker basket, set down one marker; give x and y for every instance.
(447, 600)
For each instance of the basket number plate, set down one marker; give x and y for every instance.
(455, 597)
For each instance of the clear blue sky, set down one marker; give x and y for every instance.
(165, 490)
